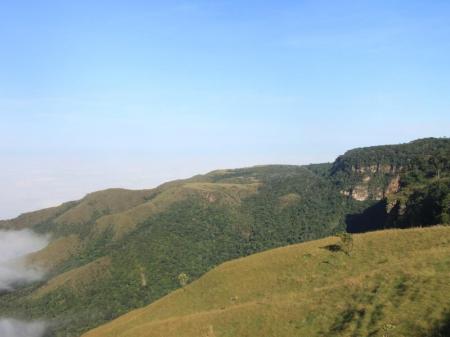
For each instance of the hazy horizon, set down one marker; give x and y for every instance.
(133, 94)
(67, 189)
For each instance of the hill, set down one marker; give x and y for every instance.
(116, 250)
(110, 255)
(392, 284)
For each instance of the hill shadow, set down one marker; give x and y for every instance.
(441, 328)
(371, 219)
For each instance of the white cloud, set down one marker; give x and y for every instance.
(15, 328)
(14, 246)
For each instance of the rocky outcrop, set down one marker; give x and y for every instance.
(366, 188)
(393, 186)
(395, 206)
(376, 168)
(360, 192)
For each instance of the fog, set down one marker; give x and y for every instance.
(15, 328)
(14, 246)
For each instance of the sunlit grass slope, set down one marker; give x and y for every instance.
(394, 283)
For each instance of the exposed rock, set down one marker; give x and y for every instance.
(365, 169)
(346, 193)
(360, 192)
(368, 190)
(378, 193)
(391, 205)
(376, 168)
(394, 186)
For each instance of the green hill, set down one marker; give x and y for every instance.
(393, 283)
(105, 260)
(117, 250)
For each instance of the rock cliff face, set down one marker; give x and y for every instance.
(389, 177)
(359, 192)
(373, 184)
(378, 172)
(376, 168)
(393, 186)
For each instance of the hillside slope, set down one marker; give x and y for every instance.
(110, 255)
(394, 283)
(117, 250)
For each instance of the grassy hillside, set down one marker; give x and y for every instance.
(111, 255)
(394, 283)
(116, 250)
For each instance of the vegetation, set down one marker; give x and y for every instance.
(416, 163)
(122, 260)
(183, 279)
(117, 250)
(430, 205)
(422, 158)
(306, 290)
(346, 244)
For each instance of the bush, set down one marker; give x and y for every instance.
(346, 243)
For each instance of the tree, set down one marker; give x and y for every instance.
(430, 205)
(183, 279)
(346, 243)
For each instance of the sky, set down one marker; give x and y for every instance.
(99, 94)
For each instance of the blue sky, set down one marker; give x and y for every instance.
(97, 94)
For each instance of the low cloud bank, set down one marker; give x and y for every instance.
(15, 328)
(14, 246)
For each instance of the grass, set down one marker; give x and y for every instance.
(77, 279)
(394, 283)
(150, 237)
(125, 222)
(55, 253)
(114, 200)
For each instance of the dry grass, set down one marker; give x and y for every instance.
(288, 199)
(124, 222)
(396, 280)
(30, 219)
(103, 202)
(55, 253)
(77, 279)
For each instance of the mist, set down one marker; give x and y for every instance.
(14, 246)
(16, 328)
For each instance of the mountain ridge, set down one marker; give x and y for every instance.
(191, 225)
